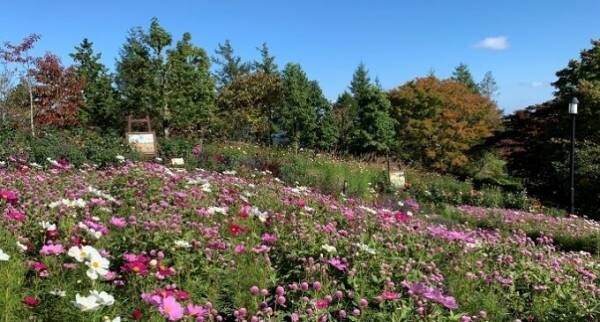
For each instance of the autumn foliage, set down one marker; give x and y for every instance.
(439, 121)
(58, 92)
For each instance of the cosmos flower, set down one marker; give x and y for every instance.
(171, 309)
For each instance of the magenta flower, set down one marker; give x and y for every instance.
(118, 222)
(16, 215)
(338, 264)
(239, 249)
(52, 249)
(197, 310)
(389, 295)
(9, 196)
(268, 239)
(171, 309)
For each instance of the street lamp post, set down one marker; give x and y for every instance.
(573, 113)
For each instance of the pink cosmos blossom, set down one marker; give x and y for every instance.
(198, 311)
(118, 222)
(52, 249)
(171, 309)
(16, 215)
(239, 249)
(268, 239)
(10, 197)
(389, 295)
(340, 265)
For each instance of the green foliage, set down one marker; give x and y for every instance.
(462, 74)
(490, 169)
(100, 101)
(190, 88)
(247, 107)
(78, 147)
(231, 65)
(373, 128)
(136, 76)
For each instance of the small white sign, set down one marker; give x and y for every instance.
(177, 161)
(144, 143)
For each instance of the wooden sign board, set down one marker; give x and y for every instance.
(142, 142)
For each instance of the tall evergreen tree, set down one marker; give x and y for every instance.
(487, 86)
(267, 63)
(99, 97)
(231, 65)
(299, 107)
(462, 74)
(373, 128)
(136, 76)
(158, 40)
(190, 88)
(344, 113)
(360, 81)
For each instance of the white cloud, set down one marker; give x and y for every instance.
(494, 43)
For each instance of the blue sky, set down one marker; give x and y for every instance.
(397, 40)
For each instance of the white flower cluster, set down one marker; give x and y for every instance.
(101, 194)
(4, 257)
(97, 265)
(216, 210)
(94, 301)
(77, 203)
(261, 215)
(328, 248)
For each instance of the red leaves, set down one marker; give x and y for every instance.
(17, 53)
(57, 91)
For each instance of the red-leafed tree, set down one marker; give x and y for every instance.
(57, 92)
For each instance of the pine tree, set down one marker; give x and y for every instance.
(136, 76)
(267, 63)
(99, 97)
(158, 40)
(487, 86)
(374, 128)
(344, 113)
(299, 111)
(360, 81)
(462, 75)
(231, 65)
(190, 87)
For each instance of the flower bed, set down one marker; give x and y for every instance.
(144, 242)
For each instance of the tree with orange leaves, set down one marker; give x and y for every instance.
(57, 92)
(440, 120)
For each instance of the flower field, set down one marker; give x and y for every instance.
(145, 242)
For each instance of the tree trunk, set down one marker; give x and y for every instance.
(31, 110)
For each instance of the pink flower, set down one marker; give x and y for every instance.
(171, 309)
(321, 304)
(389, 295)
(239, 249)
(16, 215)
(118, 222)
(245, 211)
(197, 310)
(52, 249)
(268, 239)
(9, 196)
(338, 264)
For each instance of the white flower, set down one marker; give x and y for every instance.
(365, 248)
(22, 247)
(120, 157)
(329, 248)
(4, 256)
(86, 303)
(214, 210)
(230, 172)
(48, 226)
(58, 293)
(82, 253)
(93, 301)
(98, 266)
(117, 319)
(262, 216)
(182, 244)
(103, 298)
